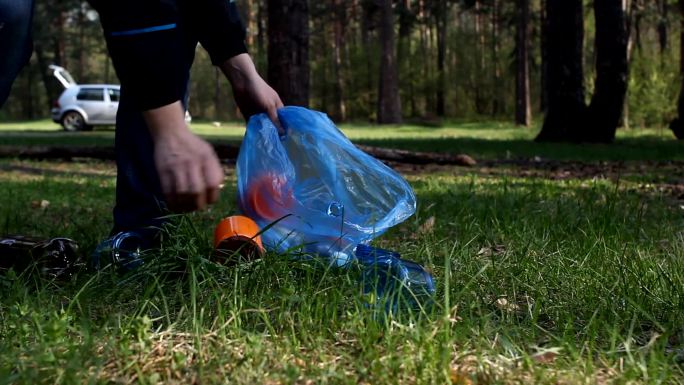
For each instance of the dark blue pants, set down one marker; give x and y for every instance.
(139, 200)
(15, 41)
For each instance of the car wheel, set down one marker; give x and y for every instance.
(73, 121)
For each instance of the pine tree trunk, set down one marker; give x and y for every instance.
(662, 26)
(497, 98)
(288, 50)
(544, 99)
(523, 108)
(677, 125)
(389, 102)
(612, 71)
(565, 78)
(339, 19)
(441, 18)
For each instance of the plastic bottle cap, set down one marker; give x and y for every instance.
(238, 234)
(269, 197)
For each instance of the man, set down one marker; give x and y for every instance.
(161, 164)
(15, 41)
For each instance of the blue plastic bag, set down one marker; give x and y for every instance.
(318, 192)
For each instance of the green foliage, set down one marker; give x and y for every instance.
(653, 91)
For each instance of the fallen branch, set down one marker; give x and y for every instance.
(227, 152)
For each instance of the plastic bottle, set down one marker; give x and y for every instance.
(122, 250)
(394, 282)
(54, 258)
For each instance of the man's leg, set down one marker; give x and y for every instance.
(139, 200)
(15, 41)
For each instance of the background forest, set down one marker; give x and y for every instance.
(454, 59)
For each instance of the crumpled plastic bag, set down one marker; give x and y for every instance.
(312, 191)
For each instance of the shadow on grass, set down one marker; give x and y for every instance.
(631, 149)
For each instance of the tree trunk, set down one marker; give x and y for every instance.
(442, 18)
(544, 99)
(339, 21)
(523, 108)
(389, 102)
(217, 94)
(261, 33)
(81, 45)
(288, 50)
(612, 71)
(565, 79)
(367, 25)
(677, 125)
(662, 26)
(497, 97)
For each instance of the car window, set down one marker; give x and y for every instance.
(113, 94)
(96, 94)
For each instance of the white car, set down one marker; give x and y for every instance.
(82, 106)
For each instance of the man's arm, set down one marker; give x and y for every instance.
(148, 42)
(252, 94)
(189, 171)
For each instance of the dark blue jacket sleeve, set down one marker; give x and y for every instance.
(151, 43)
(219, 28)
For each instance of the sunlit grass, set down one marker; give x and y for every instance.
(539, 281)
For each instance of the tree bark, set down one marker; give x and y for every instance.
(523, 108)
(442, 19)
(544, 99)
(677, 125)
(339, 21)
(612, 71)
(662, 26)
(288, 50)
(565, 78)
(389, 102)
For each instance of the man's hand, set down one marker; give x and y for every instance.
(252, 94)
(189, 170)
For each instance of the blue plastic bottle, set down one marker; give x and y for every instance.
(396, 283)
(122, 250)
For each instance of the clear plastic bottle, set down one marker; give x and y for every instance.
(393, 282)
(122, 250)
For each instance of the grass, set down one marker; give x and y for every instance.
(560, 274)
(565, 281)
(482, 140)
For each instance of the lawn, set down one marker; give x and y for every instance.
(552, 273)
(482, 140)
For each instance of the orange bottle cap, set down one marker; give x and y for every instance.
(238, 234)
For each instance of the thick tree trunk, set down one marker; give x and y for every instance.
(612, 70)
(565, 79)
(523, 108)
(389, 102)
(498, 104)
(288, 50)
(677, 125)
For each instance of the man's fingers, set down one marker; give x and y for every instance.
(212, 195)
(166, 182)
(273, 115)
(213, 175)
(197, 186)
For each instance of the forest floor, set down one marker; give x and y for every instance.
(554, 264)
